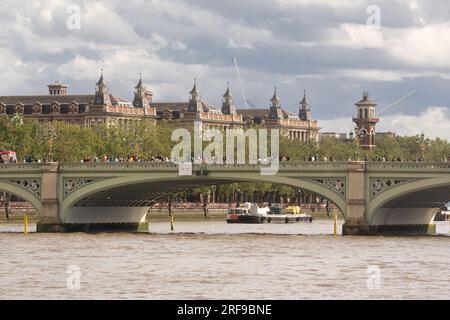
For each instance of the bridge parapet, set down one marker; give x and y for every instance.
(401, 167)
(21, 167)
(158, 166)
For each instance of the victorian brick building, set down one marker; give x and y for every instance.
(299, 126)
(105, 108)
(87, 110)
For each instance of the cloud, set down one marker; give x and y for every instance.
(323, 46)
(286, 4)
(428, 45)
(79, 68)
(434, 122)
(247, 38)
(357, 36)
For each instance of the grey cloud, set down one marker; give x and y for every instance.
(204, 27)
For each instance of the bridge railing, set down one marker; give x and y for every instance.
(21, 167)
(139, 166)
(283, 166)
(408, 166)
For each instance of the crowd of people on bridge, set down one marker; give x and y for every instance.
(158, 158)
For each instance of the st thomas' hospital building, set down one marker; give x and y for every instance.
(104, 108)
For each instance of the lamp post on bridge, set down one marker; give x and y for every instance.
(50, 137)
(423, 144)
(137, 146)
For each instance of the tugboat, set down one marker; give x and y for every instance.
(278, 214)
(251, 213)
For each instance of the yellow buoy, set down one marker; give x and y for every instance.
(335, 223)
(25, 224)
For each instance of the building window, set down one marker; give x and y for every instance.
(10, 110)
(46, 109)
(176, 114)
(82, 108)
(28, 109)
(366, 113)
(64, 109)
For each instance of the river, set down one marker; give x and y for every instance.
(214, 260)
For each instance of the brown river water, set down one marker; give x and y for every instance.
(214, 260)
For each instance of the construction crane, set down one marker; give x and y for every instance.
(397, 102)
(247, 102)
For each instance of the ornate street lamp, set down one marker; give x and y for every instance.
(50, 137)
(423, 144)
(137, 146)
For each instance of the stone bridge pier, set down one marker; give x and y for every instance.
(355, 221)
(50, 219)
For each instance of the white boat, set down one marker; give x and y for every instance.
(444, 215)
(252, 213)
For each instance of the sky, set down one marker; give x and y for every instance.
(334, 49)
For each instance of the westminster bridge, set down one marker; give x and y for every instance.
(373, 197)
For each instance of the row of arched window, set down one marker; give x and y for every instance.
(42, 109)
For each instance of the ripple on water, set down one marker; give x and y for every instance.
(218, 261)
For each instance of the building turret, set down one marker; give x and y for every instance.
(275, 109)
(195, 104)
(365, 122)
(57, 89)
(228, 105)
(142, 96)
(101, 93)
(305, 111)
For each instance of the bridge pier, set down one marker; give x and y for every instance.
(355, 222)
(50, 220)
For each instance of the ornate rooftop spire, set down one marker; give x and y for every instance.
(304, 112)
(194, 89)
(366, 95)
(228, 105)
(227, 93)
(275, 96)
(304, 101)
(101, 81)
(140, 85)
(101, 92)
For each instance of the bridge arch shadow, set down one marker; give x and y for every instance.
(138, 191)
(413, 203)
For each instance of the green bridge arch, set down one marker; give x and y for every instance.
(127, 180)
(405, 189)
